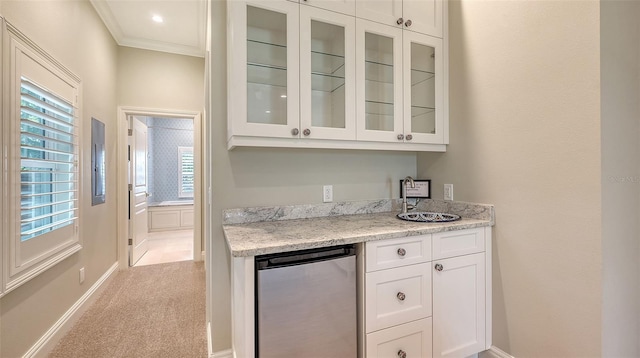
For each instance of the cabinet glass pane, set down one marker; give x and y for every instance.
(266, 66)
(379, 82)
(327, 75)
(423, 89)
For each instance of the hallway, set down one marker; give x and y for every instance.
(148, 311)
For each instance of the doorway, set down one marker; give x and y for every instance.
(159, 186)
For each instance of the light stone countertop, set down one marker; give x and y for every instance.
(281, 234)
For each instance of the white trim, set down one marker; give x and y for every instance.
(122, 180)
(209, 340)
(48, 341)
(222, 354)
(250, 141)
(495, 352)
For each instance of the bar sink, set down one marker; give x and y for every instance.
(428, 217)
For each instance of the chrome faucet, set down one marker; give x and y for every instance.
(404, 192)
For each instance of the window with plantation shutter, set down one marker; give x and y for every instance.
(43, 183)
(48, 162)
(186, 177)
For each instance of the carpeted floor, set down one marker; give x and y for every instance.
(147, 311)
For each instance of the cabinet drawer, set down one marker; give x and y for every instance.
(413, 338)
(456, 243)
(397, 296)
(404, 251)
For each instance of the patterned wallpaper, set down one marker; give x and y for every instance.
(165, 136)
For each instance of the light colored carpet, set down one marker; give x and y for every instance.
(148, 311)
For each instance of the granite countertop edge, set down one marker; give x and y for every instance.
(268, 237)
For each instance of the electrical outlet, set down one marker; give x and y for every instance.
(81, 274)
(448, 192)
(327, 193)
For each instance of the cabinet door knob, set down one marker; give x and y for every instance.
(409, 137)
(401, 296)
(400, 136)
(399, 21)
(306, 132)
(402, 354)
(402, 252)
(439, 267)
(407, 23)
(295, 131)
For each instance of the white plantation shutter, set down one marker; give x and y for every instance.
(186, 175)
(48, 162)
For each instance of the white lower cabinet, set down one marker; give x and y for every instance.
(439, 308)
(459, 306)
(407, 340)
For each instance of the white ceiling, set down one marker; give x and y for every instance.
(181, 32)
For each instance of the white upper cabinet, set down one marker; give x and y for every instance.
(327, 74)
(263, 81)
(347, 7)
(423, 16)
(314, 74)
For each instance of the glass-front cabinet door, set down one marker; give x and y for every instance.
(263, 81)
(423, 88)
(327, 74)
(379, 82)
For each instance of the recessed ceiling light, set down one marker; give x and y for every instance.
(283, 96)
(157, 18)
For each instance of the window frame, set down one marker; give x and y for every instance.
(24, 260)
(181, 193)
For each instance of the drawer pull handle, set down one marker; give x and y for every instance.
(439, 267)
(402, 252)
(401, 296)
(402, 354)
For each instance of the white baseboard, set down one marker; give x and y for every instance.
(48, 341)
(495, 352)
(209, 340)
(222, 354)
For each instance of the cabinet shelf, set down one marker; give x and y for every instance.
(378, 72)
(267, 75)
(419, 76)
(417, 111)
(327, 71)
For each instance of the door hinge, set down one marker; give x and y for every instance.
(130, 241)
(130, 187)
(130, 132)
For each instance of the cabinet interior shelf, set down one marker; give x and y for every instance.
(386, 109)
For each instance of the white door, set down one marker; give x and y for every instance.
(327, 74)
(378, 82)
(388, 12)
(424, 16)
(459, 306)
(264, 68)
(347, 7)
(423, 84)
(138, 223)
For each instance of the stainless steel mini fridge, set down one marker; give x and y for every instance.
(306, 304)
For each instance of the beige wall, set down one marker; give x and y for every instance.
(620, 56)
(73, 33)
(258, 177)
(525, 134)
(152, 79)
